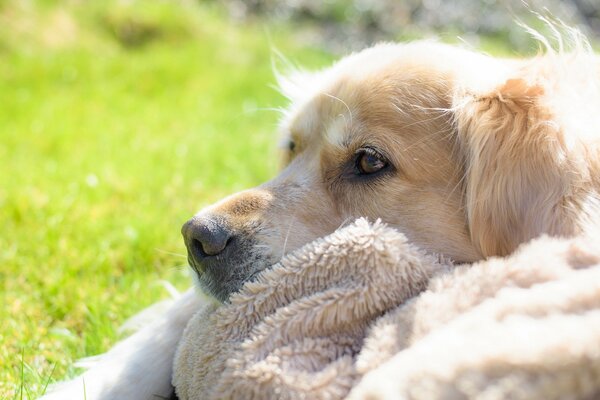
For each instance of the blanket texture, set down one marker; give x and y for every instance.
(363, 313)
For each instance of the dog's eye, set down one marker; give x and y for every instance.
(369, 161)
(291, 145)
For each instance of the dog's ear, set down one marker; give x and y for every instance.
(516, 165)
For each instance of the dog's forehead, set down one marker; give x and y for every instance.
(385, 84)
(334, 100)
(361, 82)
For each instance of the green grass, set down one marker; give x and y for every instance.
(117, 123)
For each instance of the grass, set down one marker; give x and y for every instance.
(117, 123)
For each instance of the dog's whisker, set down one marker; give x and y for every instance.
(279, 110)
(458, 184)
(343, 102)
(345, 222)
(425, 120)
(399, 109)
(287, 235)
(179, 267)
(171, 253)
(345, 121)
(424, 139)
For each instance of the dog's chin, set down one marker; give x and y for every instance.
(220, 282)
(219, 292)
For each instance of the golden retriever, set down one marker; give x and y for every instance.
(468, 155)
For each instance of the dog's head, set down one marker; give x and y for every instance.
(466, 154)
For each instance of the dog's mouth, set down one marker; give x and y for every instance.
(226, 273)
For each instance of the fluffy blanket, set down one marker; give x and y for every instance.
(363, 313)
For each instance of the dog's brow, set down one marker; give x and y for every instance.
(343, 102)
(336, 131)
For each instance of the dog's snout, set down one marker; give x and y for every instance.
(205, 237)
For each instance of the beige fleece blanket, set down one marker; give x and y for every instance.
(363, 313)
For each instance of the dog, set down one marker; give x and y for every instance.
(468, 155)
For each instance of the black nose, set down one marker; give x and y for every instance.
(205, 237)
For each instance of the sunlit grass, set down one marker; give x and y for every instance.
(118, 120)
(117, 123)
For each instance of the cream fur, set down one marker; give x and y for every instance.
(306, 314)
(525, 327)
(487, 154)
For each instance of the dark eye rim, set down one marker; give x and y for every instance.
(369, 151)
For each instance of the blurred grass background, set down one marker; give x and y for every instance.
(117, 123)
(120, 119)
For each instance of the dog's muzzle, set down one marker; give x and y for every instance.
(219, 256)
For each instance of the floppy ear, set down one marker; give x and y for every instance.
(517, 172)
